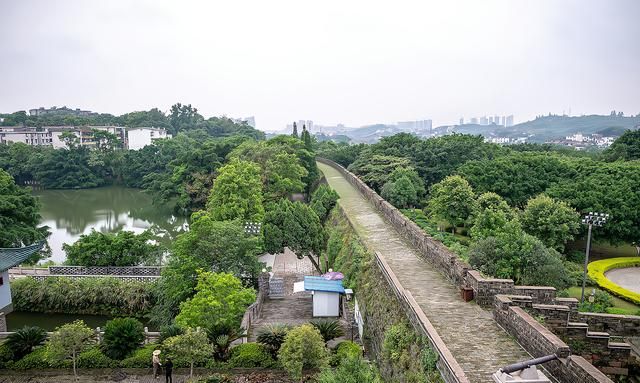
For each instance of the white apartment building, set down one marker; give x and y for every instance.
(138, 138)
(50, 135)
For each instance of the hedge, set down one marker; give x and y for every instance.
(94, 296)
(597, 270)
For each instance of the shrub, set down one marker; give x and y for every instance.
(350, 371)
(215, 378)
(24, 340)
(94, 296)
(329, 329)
(95, 358)
(140, 358)
(428, 359)
(121, 337)
(250, 355)
(168, 331)
(272, 336)
(303, 347)
(6, 355)
(346, 350)
(601, 302)
(40, 358)
(397, 340)
(598, 268)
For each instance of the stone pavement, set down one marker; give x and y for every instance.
(627, 277)
(476, 341)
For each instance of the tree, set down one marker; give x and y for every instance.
(283, 174)
(323, 200)
(553, 222)
(237, 193)
(491, 216)
(124, 248)
(219, 246)
(219, 302)
(293, 225)
(295, 130)
(452, 200)
(183, 118)
(519, 256)
(121, 337)
(626, 147)
(69, 340)
(19, 215)
(303, 347)
(192, 346)
(375, 170)
(400, 193)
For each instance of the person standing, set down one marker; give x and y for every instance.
(155, 359)
(168, 369)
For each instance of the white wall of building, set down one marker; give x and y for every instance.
(138, 138)
(326, 304)
(5, 292)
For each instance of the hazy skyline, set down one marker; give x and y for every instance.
(355, 62)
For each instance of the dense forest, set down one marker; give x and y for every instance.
(511, 211)
(180, 170)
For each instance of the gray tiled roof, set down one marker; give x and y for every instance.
(10, 257)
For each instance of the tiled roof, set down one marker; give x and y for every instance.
(321, 284)
(10, 257)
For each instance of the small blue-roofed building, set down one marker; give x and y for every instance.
(10, 257)
(326, 295)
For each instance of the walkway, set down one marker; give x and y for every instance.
(479, 345)
(627, 277)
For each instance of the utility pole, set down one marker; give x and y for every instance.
(591, 219)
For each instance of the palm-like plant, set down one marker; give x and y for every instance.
(25, 339)
(222, 339)
(329, 329)
(272, 336)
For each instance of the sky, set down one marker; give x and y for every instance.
(351, 62)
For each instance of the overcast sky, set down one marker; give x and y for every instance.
(351, 62)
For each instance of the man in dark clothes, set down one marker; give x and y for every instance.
(168, 368)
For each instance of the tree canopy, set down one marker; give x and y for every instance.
(237, 193)
(553, 222)
(19, 215)
(452, 200)
(124, 248)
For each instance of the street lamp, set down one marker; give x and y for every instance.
(591, 219)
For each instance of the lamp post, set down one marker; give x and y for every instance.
(591, 219)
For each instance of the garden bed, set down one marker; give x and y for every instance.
(598, 269)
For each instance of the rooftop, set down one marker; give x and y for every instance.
(10, 257)
(322, 284)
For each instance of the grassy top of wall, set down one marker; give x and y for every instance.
(597, 270)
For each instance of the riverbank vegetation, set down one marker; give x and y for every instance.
(511, 211)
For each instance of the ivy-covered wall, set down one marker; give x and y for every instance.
(401, 353)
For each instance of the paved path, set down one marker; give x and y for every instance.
(479, 345)
(627, 277)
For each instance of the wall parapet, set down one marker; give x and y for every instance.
(540, 341)
(447, 365)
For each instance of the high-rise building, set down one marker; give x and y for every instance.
(474, 120)
(461, 120)
(484, 121)
(509, 121)
(496, 120)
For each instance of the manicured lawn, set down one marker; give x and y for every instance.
(628, 307)
(604, 250)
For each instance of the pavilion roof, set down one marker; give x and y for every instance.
(10, 257)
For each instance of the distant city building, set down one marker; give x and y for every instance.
(423, 126)
(60, 112)
(138, 138)
(484, 120)
(474, 120)
(251, 121)
(496, 120)
(498, 140)
(300, 123)
(508, 121)
(461, 120)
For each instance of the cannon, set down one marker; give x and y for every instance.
(524, 372)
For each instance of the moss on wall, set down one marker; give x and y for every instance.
(401, 353)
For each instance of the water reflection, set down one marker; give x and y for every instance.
(70, 213)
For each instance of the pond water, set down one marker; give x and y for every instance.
(49, 322)
(71, 213)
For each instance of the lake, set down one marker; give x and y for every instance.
(71, 213)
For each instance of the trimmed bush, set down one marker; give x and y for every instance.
(121, 337)
(249, 355)
(598, 268)
(346, 350)
(95, 358)
(303, 348)
(40, 358)
(140, 358)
